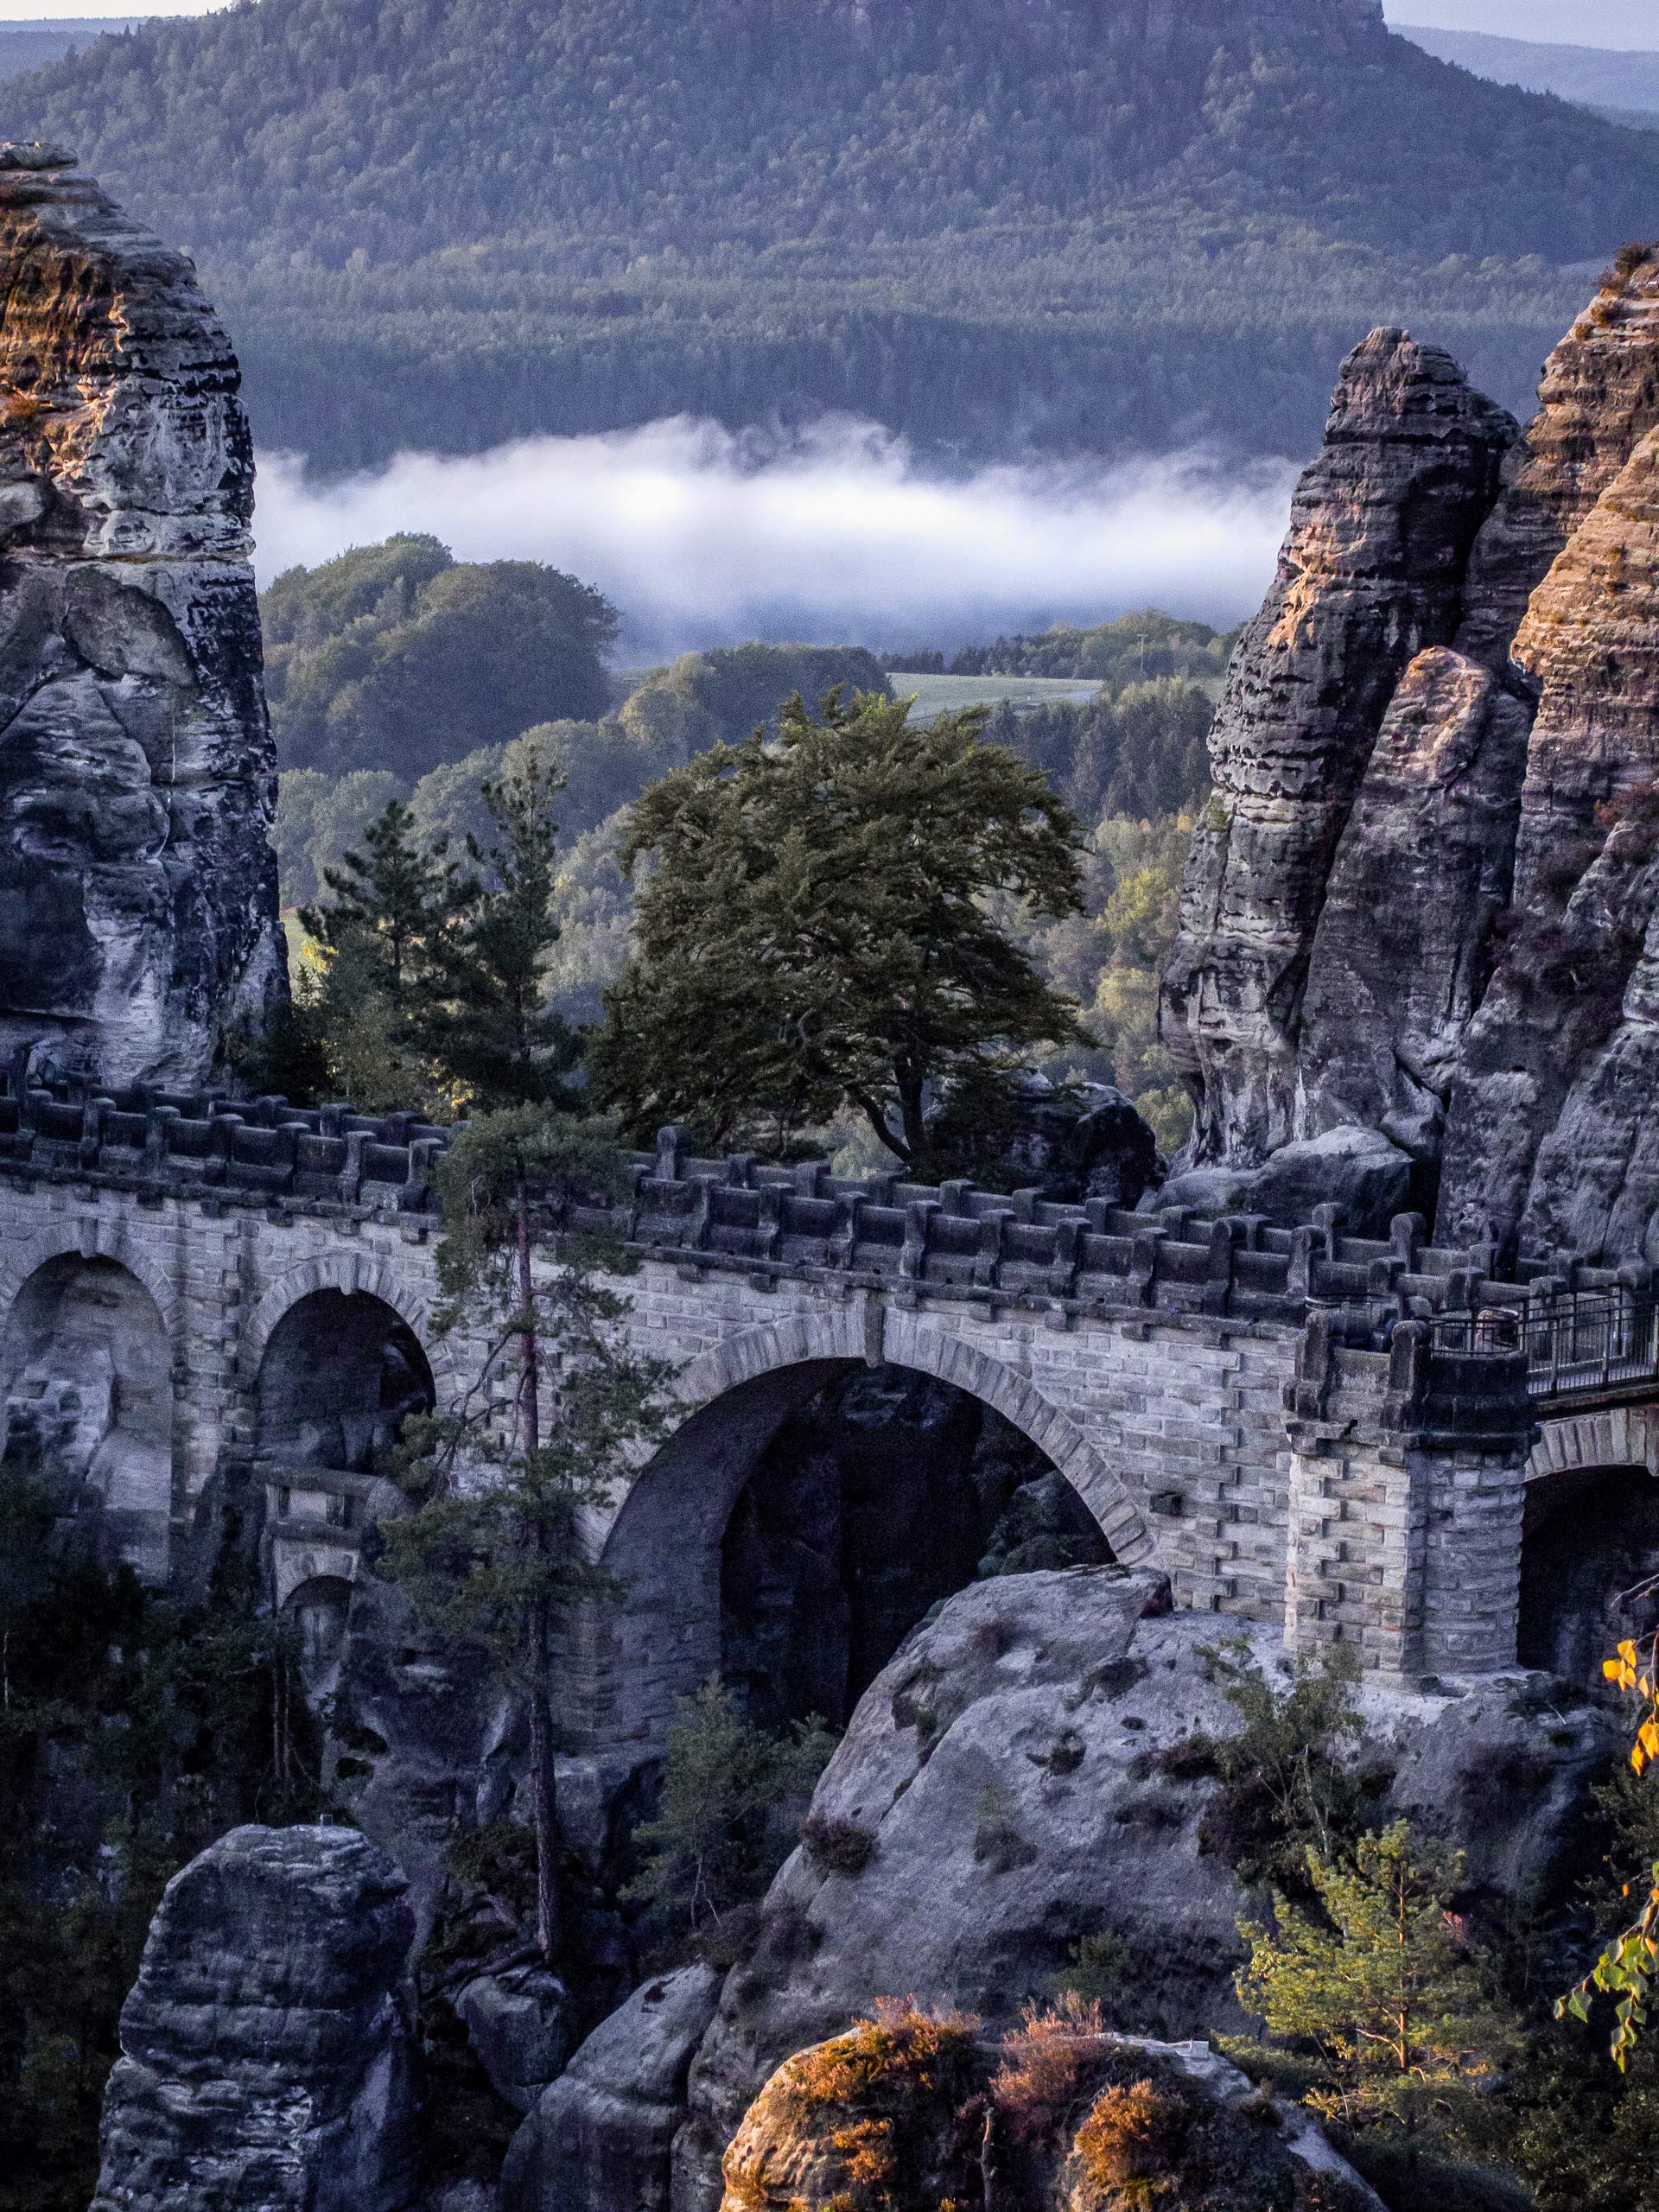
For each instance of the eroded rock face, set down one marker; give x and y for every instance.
(1001, 1793)
(599, 2140)
(138, 888)
(1470, 977)
(1371, 576)
(264, 2055)
(1152, 2120)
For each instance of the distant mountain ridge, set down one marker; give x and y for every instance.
(1592, 76)
(1099, 224)
(34, 45)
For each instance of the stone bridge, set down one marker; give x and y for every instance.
(203, 1302)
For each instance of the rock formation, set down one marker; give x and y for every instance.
(1441, 938)
(1124, 2121)
(600, 2138)
(264, 2058)
(137, 889)
(1004, 1789)
(1371, 576)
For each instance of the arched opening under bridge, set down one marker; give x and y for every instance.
(341, 1374)
(85, 1384)
(1589, 1567)
(793, 1530)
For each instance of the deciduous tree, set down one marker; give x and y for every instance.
(814, 931)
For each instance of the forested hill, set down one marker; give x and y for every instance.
(1089, 224)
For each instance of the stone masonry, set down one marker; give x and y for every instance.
(1272, 1465)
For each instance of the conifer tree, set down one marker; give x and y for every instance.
(394, 902)
(817, 931)
(485, 1019)
(492, 1555)
(1380, 1991)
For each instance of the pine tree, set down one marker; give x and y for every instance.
(491, 1554)
(816, 933)
(1382, 1993)
(393, 902)
(484, 1019)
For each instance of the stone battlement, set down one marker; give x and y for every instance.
(741, 1214)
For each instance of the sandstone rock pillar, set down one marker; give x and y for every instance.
(138, 918)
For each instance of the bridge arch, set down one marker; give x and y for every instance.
(1589, 1547)
(663, 1546)
(86, 1394)
(351, 1273)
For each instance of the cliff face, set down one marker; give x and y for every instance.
(265, 2058)
(1446, 941)
(1370, 575)
(138, 888)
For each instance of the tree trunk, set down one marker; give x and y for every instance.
(543, 1784)
(544, 1796)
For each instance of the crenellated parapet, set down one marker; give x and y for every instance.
(750, 1217)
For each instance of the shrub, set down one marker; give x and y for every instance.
(1130, 2135)
(839, 1846)
(1045, 2061)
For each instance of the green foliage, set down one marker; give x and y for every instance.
(733, 1795)
(133, 1730)
(483, 1016)
(1286, 1788)
(953, 221)
(1146, 645)
(1379, 1997)
(396, 656)
(1627, 1968)
(814, 933)
(395, 902)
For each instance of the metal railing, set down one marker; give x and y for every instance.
(1584, 1342)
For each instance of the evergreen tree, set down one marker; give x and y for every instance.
(394, 902)
(486, 1021)
(1380, 1995)
(815, 934)
(717, 1838)
(491, 1554)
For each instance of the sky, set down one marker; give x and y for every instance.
(698, 537)
(1631, 25)
(1628, 23)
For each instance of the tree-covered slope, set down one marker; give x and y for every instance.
(1093, 222)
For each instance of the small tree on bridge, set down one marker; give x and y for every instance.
(492, 1554)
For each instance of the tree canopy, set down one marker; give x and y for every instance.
(1093, 226)
(814, 933)
(398, 658)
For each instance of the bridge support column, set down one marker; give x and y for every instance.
(1406, 1492)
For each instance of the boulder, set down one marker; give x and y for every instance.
(1138, 2120)
(599, 2139)
(138, 917)
(265, 2056)
(1355, 1168)
(518, 2020)
(1004, 1789)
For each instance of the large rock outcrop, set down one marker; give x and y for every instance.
(1467, 975)
(265, 2056)
(914, 2103)
(138, 912)
(1370, 575)
(1018, 1779)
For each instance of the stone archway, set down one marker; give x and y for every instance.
(664, 1544)
(1590, 1547)
(86, 1387)
(338, 1373)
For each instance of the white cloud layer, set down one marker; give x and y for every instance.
(701, 538)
